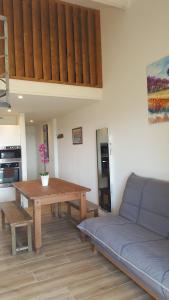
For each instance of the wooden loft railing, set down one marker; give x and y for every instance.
(53, 41)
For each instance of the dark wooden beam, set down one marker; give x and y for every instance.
(62, 42)
(37, 39)
(54, 40)
(98, 49)
(70, 44)
(78, 45)
(92, 47)
(19, 37)
(45, 28)
(85, 47)
(28, 38)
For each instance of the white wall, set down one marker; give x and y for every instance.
(23, 145)
(31, 149)
(8, 119)
(131, 40)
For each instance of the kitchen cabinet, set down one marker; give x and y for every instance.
(10, 135)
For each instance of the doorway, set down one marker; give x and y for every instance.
(103, 169)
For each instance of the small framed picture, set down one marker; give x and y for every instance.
(77, 137)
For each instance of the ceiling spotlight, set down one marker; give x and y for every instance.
(31, 121)
(9, 109)
(20, 97)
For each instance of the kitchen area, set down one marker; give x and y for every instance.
(10, 165)
(19, 157)
(13, 157)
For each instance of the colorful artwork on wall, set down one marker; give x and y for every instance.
(158, 90)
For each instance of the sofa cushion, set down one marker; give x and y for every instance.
(132, 197)
(150, 260)
(94, 225)
(154, 208)
(116, 232)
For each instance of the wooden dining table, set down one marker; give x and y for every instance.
(57, 191)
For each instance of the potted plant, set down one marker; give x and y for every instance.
(44, 159)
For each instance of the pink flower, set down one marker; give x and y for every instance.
(42, 147)
(43, 155)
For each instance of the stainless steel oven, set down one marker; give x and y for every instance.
(10, 165)
(9, 172)
(10, 153)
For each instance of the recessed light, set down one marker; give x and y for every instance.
(9, 109)
(20, 97)
(31, 121)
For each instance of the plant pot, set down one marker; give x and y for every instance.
(45, 180)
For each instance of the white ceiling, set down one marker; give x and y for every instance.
(43, 108)
(42, 102)
(115, 3)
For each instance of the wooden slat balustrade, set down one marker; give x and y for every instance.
(53, 41)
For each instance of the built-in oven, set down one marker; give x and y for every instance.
(9, 173)
(10, 165)
(10, 153)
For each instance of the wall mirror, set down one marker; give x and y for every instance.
(103, 169)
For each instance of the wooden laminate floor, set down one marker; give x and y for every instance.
(65, 270)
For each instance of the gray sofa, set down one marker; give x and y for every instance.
(137, 240)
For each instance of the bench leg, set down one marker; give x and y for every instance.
(13, 235)
(3, 219)
(59, 210)
(96, 213)
(68, 209)
(94, 250)
(53, 210)
(83, 237)
(29, 232)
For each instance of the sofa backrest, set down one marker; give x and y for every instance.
(152, 204)
(132, 197)
(154, 210)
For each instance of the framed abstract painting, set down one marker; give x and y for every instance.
(158, 90)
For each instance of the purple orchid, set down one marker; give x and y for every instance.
(43, 156)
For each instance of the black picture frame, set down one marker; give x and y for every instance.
(45, 139)
(77, 136)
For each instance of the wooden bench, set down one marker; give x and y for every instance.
(91, 207)
(16, 217)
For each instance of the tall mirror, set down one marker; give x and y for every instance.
(103, 169)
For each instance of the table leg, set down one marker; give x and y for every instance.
(29, 234)
(83, 206)
(18, 198)
(83, 213)
(37, 226)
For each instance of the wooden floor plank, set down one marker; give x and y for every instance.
(65, 270)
